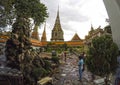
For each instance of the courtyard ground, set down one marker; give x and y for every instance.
(68, 73)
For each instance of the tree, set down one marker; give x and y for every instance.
(7, 15)
(102, 59)
(23, 11)
(19, 14)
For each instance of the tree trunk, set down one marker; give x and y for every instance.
(18, 43)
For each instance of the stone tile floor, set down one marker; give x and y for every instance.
(68, 73)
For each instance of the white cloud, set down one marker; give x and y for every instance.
(76, 16)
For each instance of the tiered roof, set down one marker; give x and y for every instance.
(57, 32)
(76, 38)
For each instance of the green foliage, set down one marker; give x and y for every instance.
(78, 49)
(7, 13)
(102, 58)
(39, 72)
(65, 46)
(58, 48)
(47, 65)
(55, 59)
(12, 9)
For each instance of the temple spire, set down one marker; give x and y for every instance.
(57, 25)
(58, 12)
(91, 30)
(92, 27)
(57, 32)
(43, 38)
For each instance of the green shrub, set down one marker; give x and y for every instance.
(102, 56)
(39, 72)
(47, 65)
(55, 59)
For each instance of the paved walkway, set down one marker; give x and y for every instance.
(68, 73)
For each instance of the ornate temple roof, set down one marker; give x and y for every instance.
(76, 38)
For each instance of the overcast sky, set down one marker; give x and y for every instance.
(76, 16)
